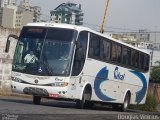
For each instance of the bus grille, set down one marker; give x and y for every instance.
(35, 91)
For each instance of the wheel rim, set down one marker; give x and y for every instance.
(126, 104)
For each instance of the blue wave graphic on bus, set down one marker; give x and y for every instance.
(100, 78)
(141, 93)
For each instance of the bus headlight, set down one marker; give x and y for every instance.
(60, 84)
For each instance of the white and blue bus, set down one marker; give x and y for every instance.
(97, 68)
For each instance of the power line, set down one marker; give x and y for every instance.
(111, 27)
(122, 30)
(132, 32)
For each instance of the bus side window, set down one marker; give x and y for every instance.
(94, 46)
(146, 62)
(126, 56)
(119, 53)
(80, 53)
(137, 59)
(141, 61)
(105, 50)
(133, 58)
(116, 53)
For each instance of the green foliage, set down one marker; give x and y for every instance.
(150, 105)
(155, 74)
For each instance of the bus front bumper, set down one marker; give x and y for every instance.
(43, 91)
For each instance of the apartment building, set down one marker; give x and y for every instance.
(36, 10)
(25, 4)
(36, 13)
(3, 3)
(68, 13)
(139, 39)
(9, 16)
(15, 17)
(12, 16)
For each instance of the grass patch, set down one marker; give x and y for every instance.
(150, 105)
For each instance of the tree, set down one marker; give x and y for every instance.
(155, 74)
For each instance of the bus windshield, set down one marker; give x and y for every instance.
(44, 51)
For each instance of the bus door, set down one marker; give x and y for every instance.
(79, 59)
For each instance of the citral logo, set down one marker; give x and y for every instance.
(118, 75)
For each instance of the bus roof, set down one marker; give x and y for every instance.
(60, 25)
(81, 28)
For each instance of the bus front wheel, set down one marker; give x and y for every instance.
(85, 102)
(36, 100)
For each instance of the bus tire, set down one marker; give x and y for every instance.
(36, 100)
(85, 102)
(126, 103)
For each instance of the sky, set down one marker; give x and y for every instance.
(122, 15)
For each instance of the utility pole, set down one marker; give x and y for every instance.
(104, 18)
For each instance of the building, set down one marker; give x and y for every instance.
(68, 13)
(139, 39)
(142, 35)
(143, 40)
(12, 16)
(27, 17)
(9, 16)
(3, 3)
(36, 13)
(35, 9)
(15, 17)
(25, 4)
(1, 13)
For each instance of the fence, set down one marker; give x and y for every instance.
(154, 88)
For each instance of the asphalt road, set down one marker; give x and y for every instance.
(21, 108)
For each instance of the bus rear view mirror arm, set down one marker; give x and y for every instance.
(8, 41)
(77, 44)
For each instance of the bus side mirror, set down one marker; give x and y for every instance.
(7, 46)
(9, 41)
(78, 44)
(80, 54)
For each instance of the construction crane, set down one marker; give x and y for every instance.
(104, 18)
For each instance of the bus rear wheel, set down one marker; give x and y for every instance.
(126, 103)
(36, 100)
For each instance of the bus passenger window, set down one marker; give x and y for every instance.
(94, 46)
(119, 51)
(126, 56)
(105, 50)
(133, 58)
(141, 61)
(136, 59)
(116, 53)
(146, 62)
